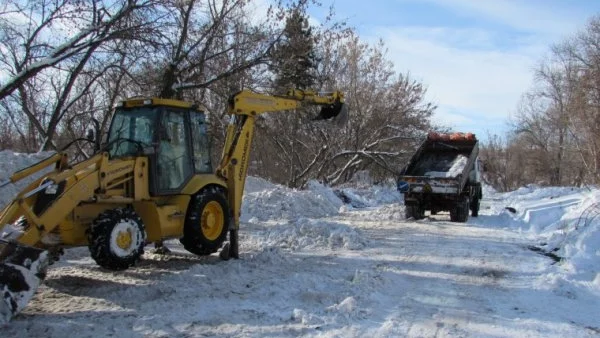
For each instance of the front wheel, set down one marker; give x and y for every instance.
(117, 238)
(206, 222)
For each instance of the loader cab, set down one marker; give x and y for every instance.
(171, 133)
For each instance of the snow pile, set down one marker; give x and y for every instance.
(257, 184)
(364, 272)
(370, 196)
(456, 168)
(313, 234)
(564, 222)
(265, 201)
(10, 163)
(325, 193)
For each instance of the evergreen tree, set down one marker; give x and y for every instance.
(294, 59)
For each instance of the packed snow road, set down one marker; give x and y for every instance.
(361, 273)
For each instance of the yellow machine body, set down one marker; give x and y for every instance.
(152, 181)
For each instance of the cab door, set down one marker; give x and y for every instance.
(173, 159)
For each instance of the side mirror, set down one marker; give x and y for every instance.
(93, 135)
(484, 166)
(90, 136)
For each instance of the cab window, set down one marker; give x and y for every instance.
(200, 143)
(131, 132)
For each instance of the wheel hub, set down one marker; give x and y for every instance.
(124, 239)
(213, 220)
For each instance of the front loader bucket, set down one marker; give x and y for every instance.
(22, 270)
(337, 111)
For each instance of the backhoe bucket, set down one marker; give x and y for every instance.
(22, 270)
(337, 111)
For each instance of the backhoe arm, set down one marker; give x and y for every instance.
(244, 107)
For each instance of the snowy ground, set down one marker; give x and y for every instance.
(313, 265)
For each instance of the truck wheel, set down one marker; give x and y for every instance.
(117, 238)
(408, 211)
(414, 211)
(453, 214)
(475, 207)
(460, 213)
(420, 212)
(207, 222)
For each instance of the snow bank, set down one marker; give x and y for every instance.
(10, 163)
(265, 201)
(370, 196)
(563, 221)
(313, 234)
(257, 184)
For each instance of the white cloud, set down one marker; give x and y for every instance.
(474, 81)
(540, 16)
(477, 60)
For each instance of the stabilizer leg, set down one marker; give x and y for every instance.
(234, 250)
(231, 248)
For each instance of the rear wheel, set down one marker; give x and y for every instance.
(415, 211)
(460, 213)
(206, 222)
(475, 207)
(117, 238)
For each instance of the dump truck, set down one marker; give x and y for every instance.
(152, 180)
(443, 175)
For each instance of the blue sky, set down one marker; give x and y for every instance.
(476, 57)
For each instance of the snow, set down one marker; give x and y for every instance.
(344, 262)
(456, 168)
(10, 162)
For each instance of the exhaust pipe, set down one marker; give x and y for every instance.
(22, 270)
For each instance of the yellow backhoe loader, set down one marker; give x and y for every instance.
(152, 181)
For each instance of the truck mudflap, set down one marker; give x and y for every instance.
(22, 270)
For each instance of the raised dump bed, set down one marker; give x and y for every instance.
(443, 175)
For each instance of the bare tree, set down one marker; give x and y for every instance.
(559, 116)
(388, 113)
(205, 42)
(33, 46)
(46, 53)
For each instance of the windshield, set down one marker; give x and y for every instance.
(131, 131)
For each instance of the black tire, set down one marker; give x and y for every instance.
(207, 222)
(460, 213)
(408, 211)
(117, 238)
(475, 207)
(420, 212)
(453, 214)
(414, 211)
